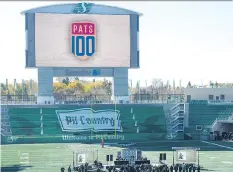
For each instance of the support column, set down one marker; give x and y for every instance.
(45, 86)
(120, 85)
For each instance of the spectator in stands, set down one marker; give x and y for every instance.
(62, 169)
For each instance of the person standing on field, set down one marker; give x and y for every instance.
(62, 169)
(69, 169)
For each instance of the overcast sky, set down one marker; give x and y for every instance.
(178, 40)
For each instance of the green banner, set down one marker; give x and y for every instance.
(87, 123)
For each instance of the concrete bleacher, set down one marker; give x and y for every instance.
(39, 121)
(5, 122)
(204, 114)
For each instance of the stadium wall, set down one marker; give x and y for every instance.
(86, 123)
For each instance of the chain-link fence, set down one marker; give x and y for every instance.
(95, 99)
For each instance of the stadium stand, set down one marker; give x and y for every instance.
(42, 122)
(195, 118)
(206, 114)
(203, 114)
(5, 122)
(153, 121)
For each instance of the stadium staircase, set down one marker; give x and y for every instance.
(5, 122)
(175, 122)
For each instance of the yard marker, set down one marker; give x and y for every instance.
(115, 116)
(41, 122)
(92, 127)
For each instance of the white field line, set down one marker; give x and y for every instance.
(227, 147)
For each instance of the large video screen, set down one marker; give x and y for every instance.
(71, 40)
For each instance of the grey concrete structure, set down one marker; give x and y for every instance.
(45, 81)
(211, 94)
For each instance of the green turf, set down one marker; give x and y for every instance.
(223, 143)
(51, 157)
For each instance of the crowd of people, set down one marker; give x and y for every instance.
(160, 168)
(98, 167)
(139, 159)
(69, 169)
(227, 136)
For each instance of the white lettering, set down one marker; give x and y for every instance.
(75, 28)
(96, 137)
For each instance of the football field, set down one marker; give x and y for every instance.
(52, 156)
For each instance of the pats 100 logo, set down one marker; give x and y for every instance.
(83, 39)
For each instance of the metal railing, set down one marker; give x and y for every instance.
(18, 99)
(174, 122)
(220, 102)
(88, 99)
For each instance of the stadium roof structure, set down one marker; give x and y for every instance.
(68, 9)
